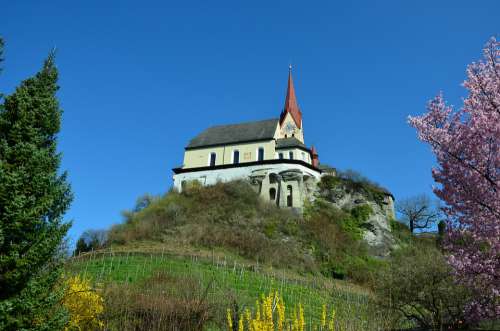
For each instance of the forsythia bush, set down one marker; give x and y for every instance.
(270, 315)
(83, 304)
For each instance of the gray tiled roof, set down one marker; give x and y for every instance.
(235, 133)
(289, 142)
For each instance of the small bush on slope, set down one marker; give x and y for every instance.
(418, 285)
(335, 238)
(161, 302)
(270, 314)
(83, 303)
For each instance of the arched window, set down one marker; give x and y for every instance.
(280, 156)
(213, 156)
(236, 156)
(289, 196)
(272, 194)
(260, 154)
(290, 155)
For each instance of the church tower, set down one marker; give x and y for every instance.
(291, 116)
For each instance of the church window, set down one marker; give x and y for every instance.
(272, 193)
(280, 156)
(289, 196)
(290, 154)
(236, 157)
(213, 156)
(303, 156)
(260, 155)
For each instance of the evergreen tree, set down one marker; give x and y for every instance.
(81, 247)
(33, 199)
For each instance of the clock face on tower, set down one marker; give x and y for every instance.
(289, 128)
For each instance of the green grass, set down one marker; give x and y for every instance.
(227, 280)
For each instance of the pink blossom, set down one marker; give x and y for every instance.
(466, 143)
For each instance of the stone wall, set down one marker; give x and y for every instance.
(288, 187)
(292, 183)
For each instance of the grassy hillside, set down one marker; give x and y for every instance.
(231, 218)
(142, 278)
(186, 258)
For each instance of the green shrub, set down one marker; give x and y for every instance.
(329, 182)
(270, 229)
(334, 269)
(400, 231)
(336, 238)
(418, 284)
(160, 302)
(361, 213)
(351, 226)
(363, 269)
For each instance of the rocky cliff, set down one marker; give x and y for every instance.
(347, 193)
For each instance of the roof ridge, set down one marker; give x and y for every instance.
(234, 133)
(241, 123)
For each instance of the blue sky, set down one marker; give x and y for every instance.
(140, 78)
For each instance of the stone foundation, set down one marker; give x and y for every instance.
(286, 185)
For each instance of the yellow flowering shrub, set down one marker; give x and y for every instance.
(270, 315)
(83, 304)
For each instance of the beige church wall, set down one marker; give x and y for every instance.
(297, 154)
(194, 158)
(248, 153)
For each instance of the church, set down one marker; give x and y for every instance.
(271, 154)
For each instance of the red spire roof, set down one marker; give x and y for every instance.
(291, 105)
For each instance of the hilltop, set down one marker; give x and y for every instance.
(330, 238)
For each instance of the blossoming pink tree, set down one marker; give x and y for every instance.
(466, 143)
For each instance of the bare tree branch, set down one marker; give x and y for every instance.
(419, 212)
